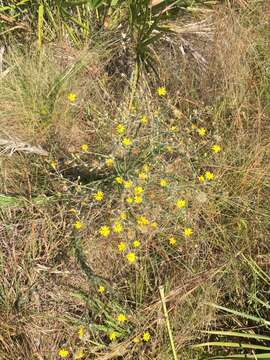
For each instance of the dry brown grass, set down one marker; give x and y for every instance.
(46, 289)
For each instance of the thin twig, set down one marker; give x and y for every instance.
(12, 146)
(166, 316)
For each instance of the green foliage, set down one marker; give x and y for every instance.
(251, 345)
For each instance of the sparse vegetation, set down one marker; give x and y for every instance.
(134, 215)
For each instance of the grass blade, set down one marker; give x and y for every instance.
(40, 24)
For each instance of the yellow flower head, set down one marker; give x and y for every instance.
(136, 340)
(63, 353)
(126, 141)
(146, 168)
(202, 131)
(117, 227)
(174, 129)
(123, 216)
(81, 332)
(144, 120)
(138, 190)
(105, 231)
(143, 176)
(131, 257)
(71, 97)
(161, 91)
(77, 225)
(172, 240)
(127, 184)
(120, 129)
(101, 289)
(216, 148)
(98, 196)
(201, 178)
(53, 164)
(209, 175)
(146, 336)
(163, 182)
(142, 220)
(138, 199)
(129, 200)
(109, 162)
(193, 126)
(187, 232)
(121, 318)
(85, 147)
(122, 246)
(112, 335)
(119, 180)
(136, 243)
(181, 203)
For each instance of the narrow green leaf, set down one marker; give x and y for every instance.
(232, 345)
(237, 334)
(242, 314)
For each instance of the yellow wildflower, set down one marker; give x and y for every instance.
(209, 175)
(123, 216)
(163, 182)
(169, 148)
(144, 120)
(63, 353)
(120, 129)
(119, 180)
(174, 129)
(81, 332)
(112, 335)
(53, 164)
(193, 126)
(136, 243)
(127, 184)
(138, 199)
(77, 225)
(172, 240)
(202, 131)
(101, 289)
(117, 227)
(181, 203)
(104, 231)
(187, 232)
(126, 141)
(71, 97)
(122, 246)
(216, 148)
(109, 162)
(98, 196)
(138, 190)
(201, 178)
(136, 340)
(85, 147)
(146, 336)
(143, 176)
(131, 257)
(146, 168)
(121, 318)
(79, 354)
(129, 200)
(142, 220)
(161, 91)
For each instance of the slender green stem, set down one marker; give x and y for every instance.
(166, 316)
